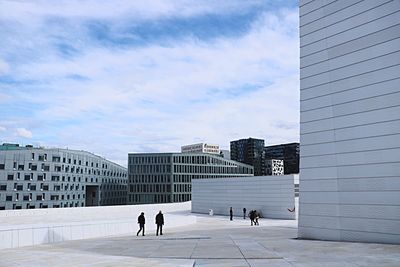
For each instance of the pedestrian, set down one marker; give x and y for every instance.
(141, 222)
(251, 215)
(256, 217)
(231, 213)
(159, 222)
(244, 213)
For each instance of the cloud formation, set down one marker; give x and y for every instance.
(22, 132)
(133, 77)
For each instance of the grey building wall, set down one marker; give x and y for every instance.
(58, 178)
(350, 120)
(167, 177)
(270, 195)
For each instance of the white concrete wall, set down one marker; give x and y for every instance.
(272, 195)
(350, 120)
(20, 228)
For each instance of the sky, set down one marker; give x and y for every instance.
(118, 77)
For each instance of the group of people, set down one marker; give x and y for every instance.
(253, 215)
(159, 222)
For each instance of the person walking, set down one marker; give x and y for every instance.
(244, 213)
(231, 214)
(159, 222)
(141, 222)
(251, 215)
(256, 217)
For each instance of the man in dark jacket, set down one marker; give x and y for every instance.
(141, 222)
(252, 217)
(159, 222)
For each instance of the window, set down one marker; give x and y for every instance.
(3, 187)
(21, 167)
(8, 198)
(2, 166)
(10, 177)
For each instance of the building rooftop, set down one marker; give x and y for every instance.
(211, 241)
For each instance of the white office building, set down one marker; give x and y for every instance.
(350, 120)
(58, 178)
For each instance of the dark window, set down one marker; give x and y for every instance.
(2, 166)
(8, 198)
(10, 177)
(3, 187)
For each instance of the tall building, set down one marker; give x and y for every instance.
(289, 153)
(58, 178)
(201, 148)
(167, 177)
(249, 151)
(350, 120)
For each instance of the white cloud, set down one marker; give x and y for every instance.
(22, 132)
(2, 129)
(160, 96)
(4, 67)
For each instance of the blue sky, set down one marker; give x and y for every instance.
(113, 77)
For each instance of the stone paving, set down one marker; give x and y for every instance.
(213, 241)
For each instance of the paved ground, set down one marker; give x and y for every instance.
(213, 241)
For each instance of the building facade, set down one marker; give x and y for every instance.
(167, 177)
(289, 153)
(274, 167)
(249, 151)
(201, 148)
(350, 120)
(58, 178)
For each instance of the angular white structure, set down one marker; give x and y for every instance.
(350, 120)
(272, 196)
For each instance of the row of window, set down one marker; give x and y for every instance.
(140, 178)
(57, 178)
(45, 206)
(41, 197)
(64, 168)
(149, 159)
(154, 198)
(144, 188)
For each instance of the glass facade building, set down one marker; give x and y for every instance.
(249, 151)
(166, 177)
(289, 153)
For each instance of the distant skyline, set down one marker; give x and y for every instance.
(113, 77)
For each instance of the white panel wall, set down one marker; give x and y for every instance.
(20, 228)
(350, 120)
(272, 195)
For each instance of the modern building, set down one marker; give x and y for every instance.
(201, 148)
(274, 167)
(350, 120)
(289, 153)
(33, 177)
(249, 151)
(167, 177)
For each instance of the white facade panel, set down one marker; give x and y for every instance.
(270, 195)
(350, 121)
